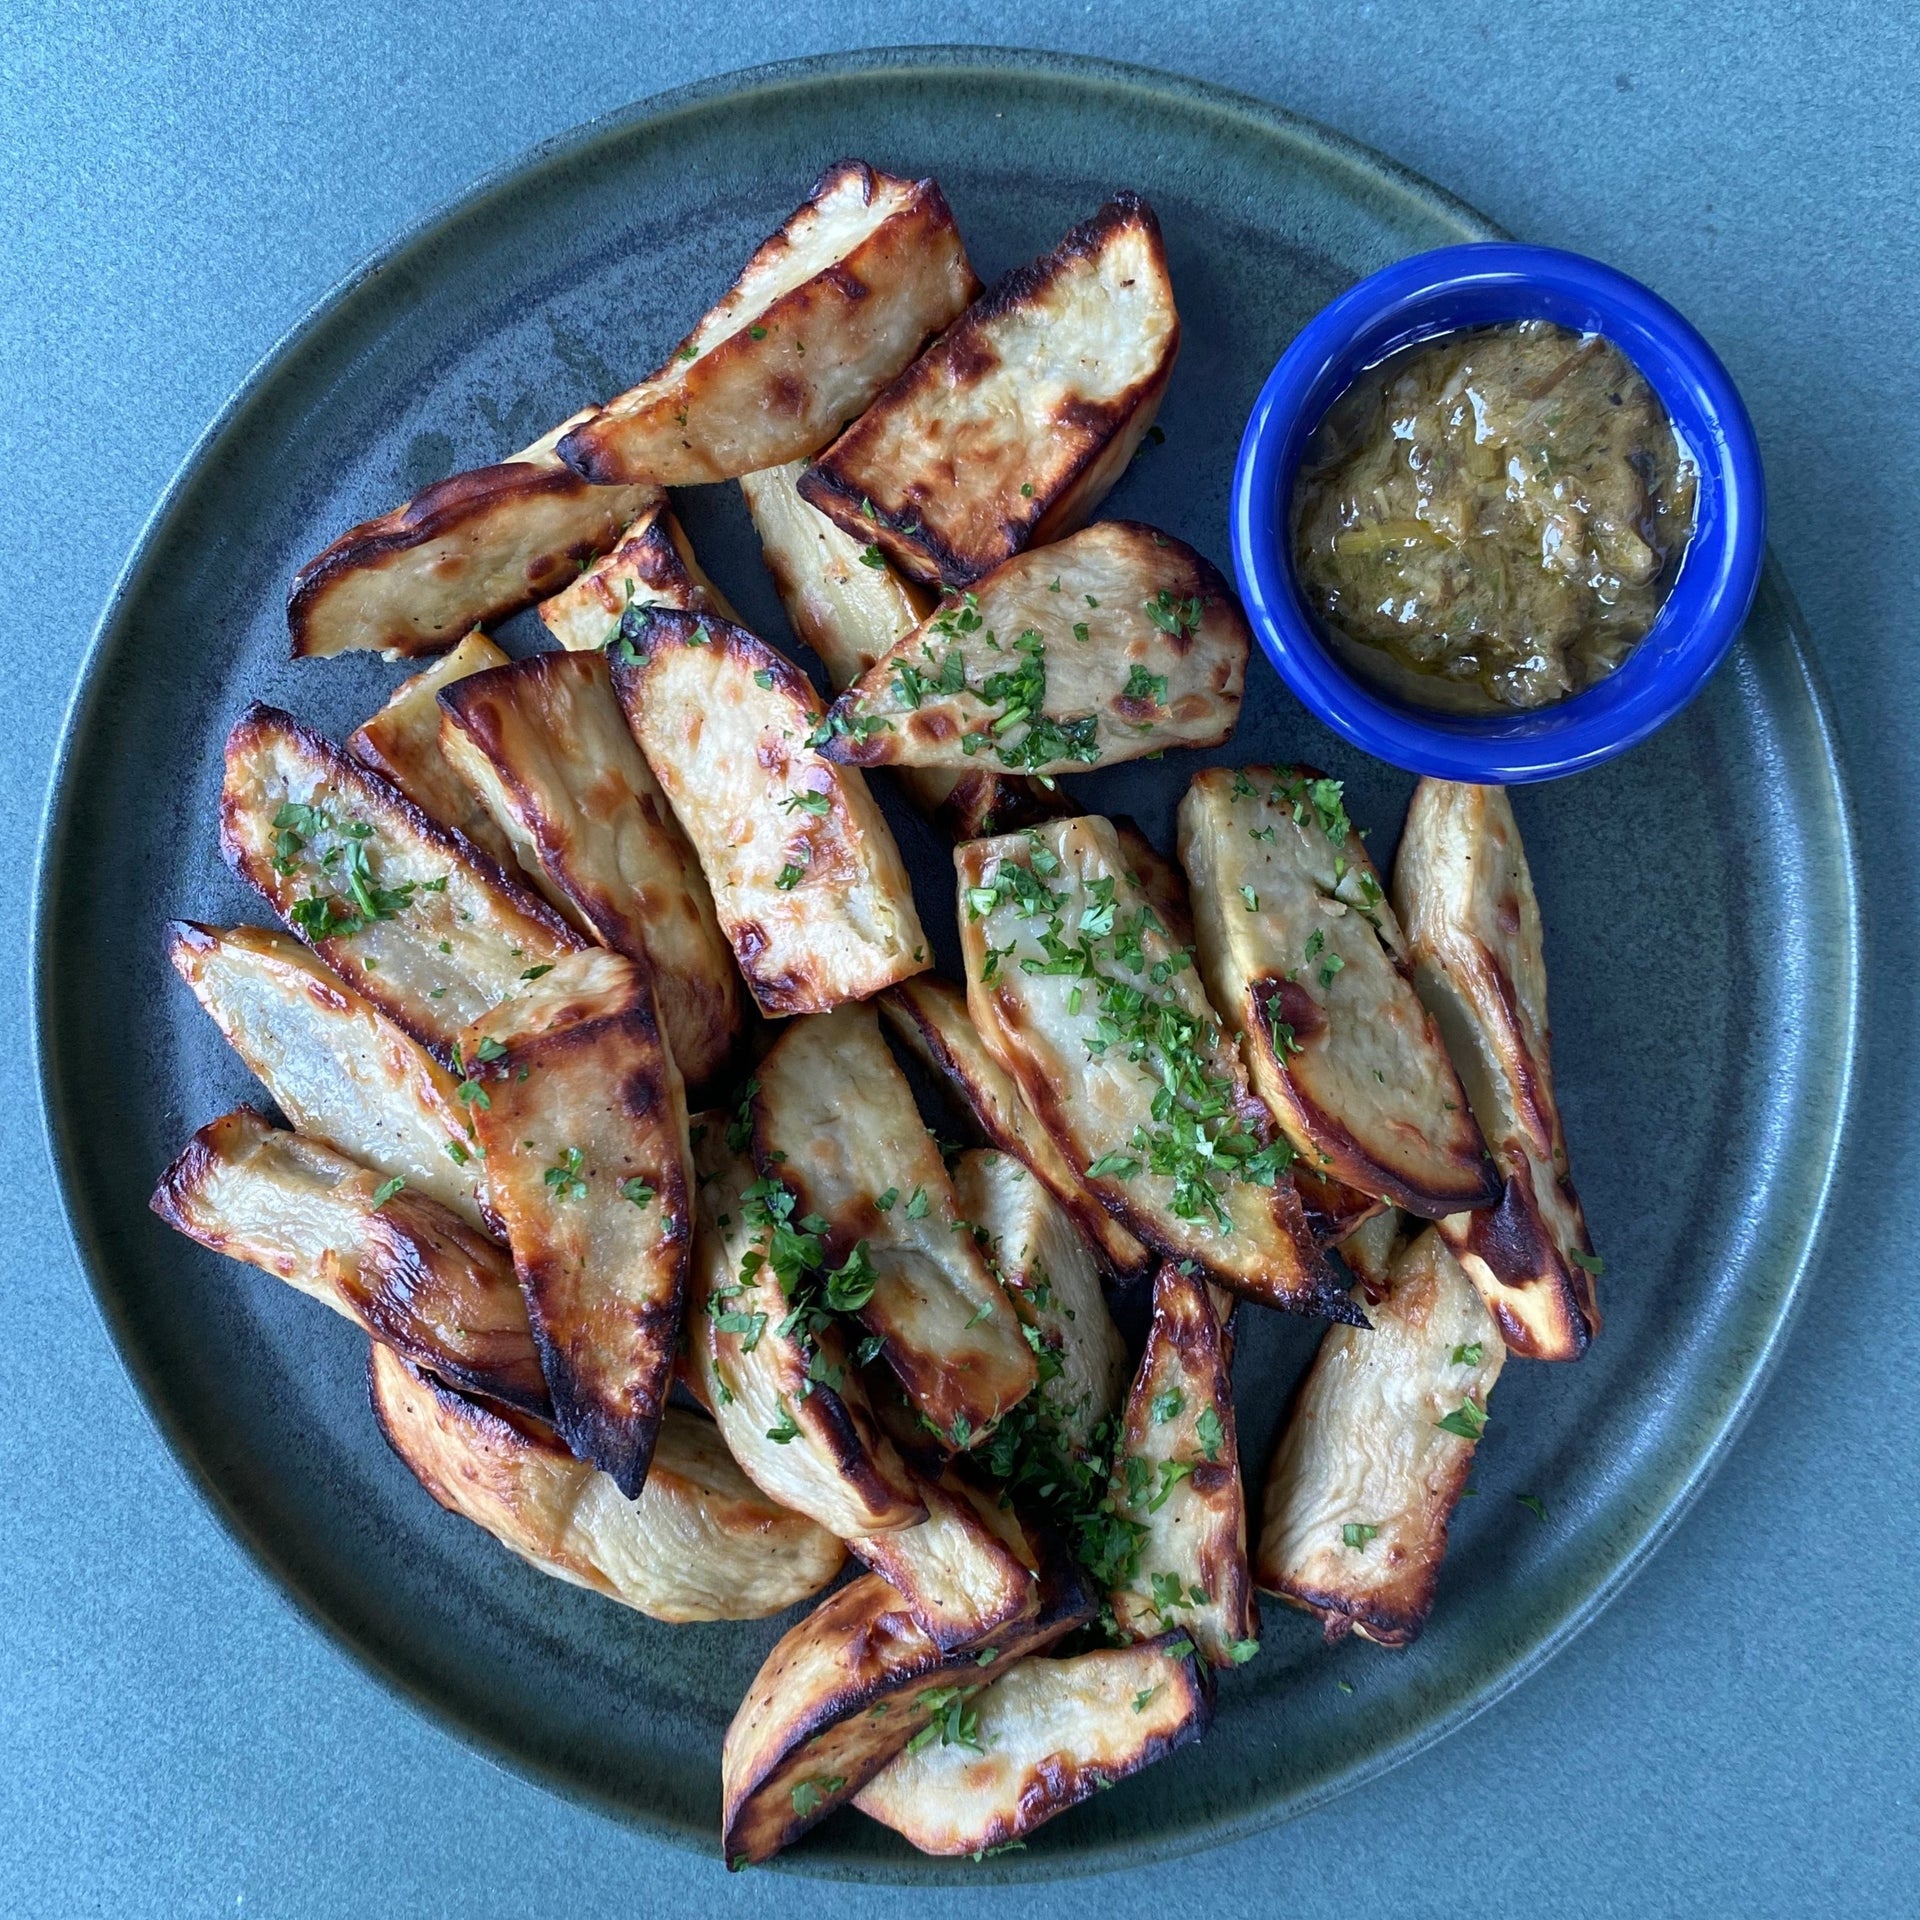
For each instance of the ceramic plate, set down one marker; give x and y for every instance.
(1698, 899)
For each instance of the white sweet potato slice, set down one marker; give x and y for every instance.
(699, 1541)
(544, 742)
(1176, 1476)
(1050, 1733)
(389, 1259)
(804, 872)
(1373, 1458)
(851, 608)
(834, 1121)
(402, 742)
(335, 1065)
(1304, 956)
(466, 552)
(1010, 430)
(1466, 898)
(829, 309)
(1106, 1030)
(789, 1405)
(1050, 1276)
(846, 1690)
(1370, 1249)
(407, 912)
(653, 566)
(583, 1119)
(1116, 643)
(931, 1017)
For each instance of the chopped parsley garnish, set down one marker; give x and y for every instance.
(816, 804)
(885, 1201)
(763, 679)
(1166, 1405)
(951, 1721)
(1208, 1430)
(637, 1191)
(1141, 1698)
(1533, 1504)
(809, 1798)
(871, 556)
(1590, 1261)
(564, 1177)
(917, 1204)
(790, 876)
(536, 973)
(1021, 694)
(750, 1326)
(756, 331)
(1469, 1355)
(1466, 1420)
(1114, 1166)
(1172, 616)
(386, 1190)
(1142, 685)
(1241, 1651)
(787, 1430)
(1356, 1534)
(1251, 899)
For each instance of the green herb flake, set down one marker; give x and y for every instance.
(1356, 1534)
(564, 1178)
(1469, 1355)
(386, 1190)
(637, 1191)
(1533, 1504)
(1466, 1420)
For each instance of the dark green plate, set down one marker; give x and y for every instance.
(1698, 894)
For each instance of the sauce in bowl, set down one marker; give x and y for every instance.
(1492, 519)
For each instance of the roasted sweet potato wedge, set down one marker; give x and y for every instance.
(467, 551)
(829, 309)
(845, 1691)
(653, 566)
(1304, 957)
(1109, 1036)
(834, 1122)
(1162, 885)
(402, 742)
(409, 913)
(335, 1065)
(788, 1403)
(1051, 1278)
(1014, 425)
(387, 1258)
(583, 1119)
(1116, 643)
(544, 742)
(804, 871)
(1369, 1251)
(1376, 1451)
(1049, 1734)
(1177, 1477)
(1466, 898)
(931, 1017)
(699, 1542)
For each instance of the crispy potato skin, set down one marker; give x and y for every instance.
(828, 310)
(467, 551)
(402, 744)
(1013, 426)
(1363, 1448)
(700, 1542)
(724, 722)
(492, 928)
(405, 1270)
(546, 741)
(834, 1120)
(1052, 1732)
(653, 566)
(1196, 1523)
(1464, 891)
(576, 1067)
(814, 1717)
(931, 1016)
(1363, 1088)
(1091, 600)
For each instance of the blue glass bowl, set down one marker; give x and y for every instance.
(1483, 285)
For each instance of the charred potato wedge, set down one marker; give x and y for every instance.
(1303, 954)
(828, 310)
(1090, 1040)
(1050, 1733)
(335, 1065)
(834, 1122)
(807, 1442)
(699, 1542)
(845, 1691)
(1177, 1478)
(544, 742)
(387, 1258)
(1466, 898)
(466, 552)
(583, 1119)
(1014, 425)
(931, 1018)
(1050, 1276)
(407, 912)
(805, 875)
(1116, 643)
(1374, 1456)
(653, 566)
(402, 742)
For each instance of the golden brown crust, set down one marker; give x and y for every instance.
(652, 566)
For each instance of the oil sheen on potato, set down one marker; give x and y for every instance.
(1492, 519)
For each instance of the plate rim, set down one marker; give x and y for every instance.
(1375, 169)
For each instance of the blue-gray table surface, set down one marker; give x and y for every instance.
(1738, 1733)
